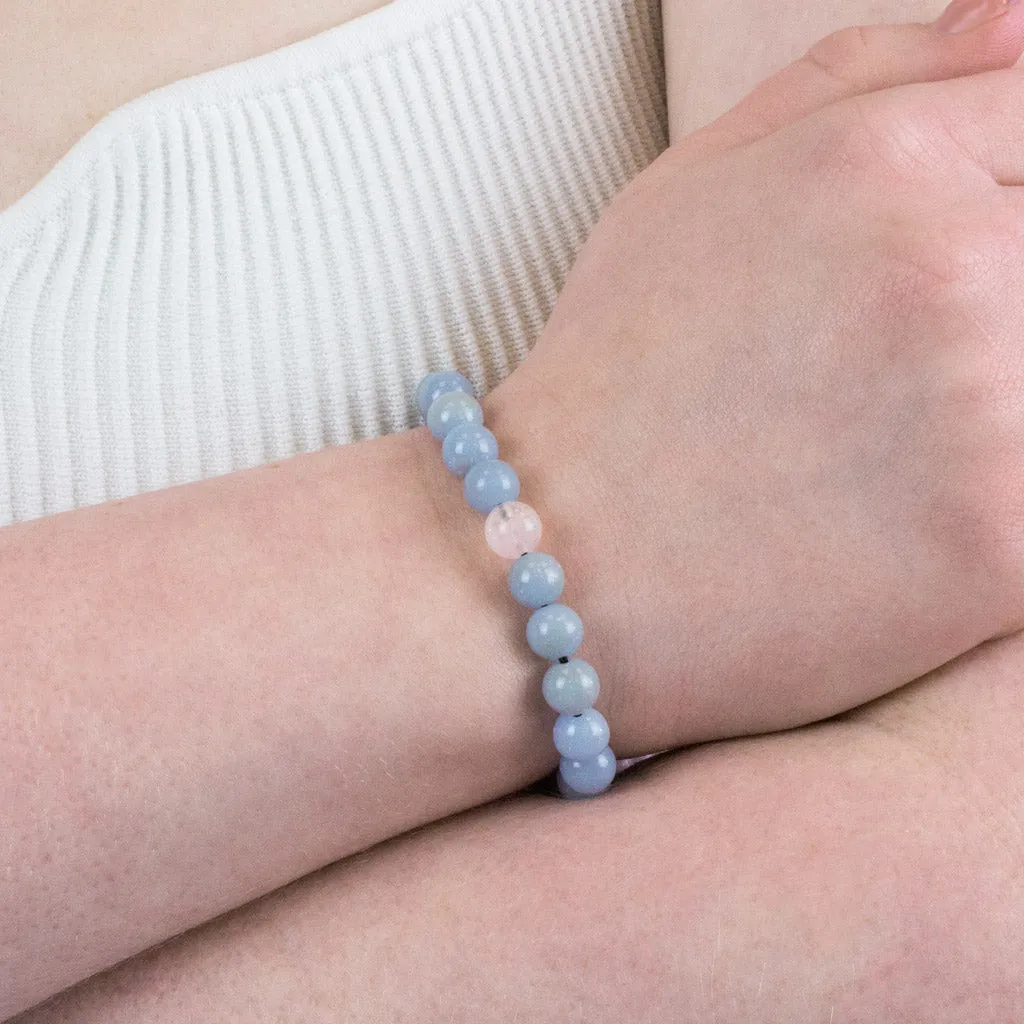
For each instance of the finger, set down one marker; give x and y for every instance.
(855, 61)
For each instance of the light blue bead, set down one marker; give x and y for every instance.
(590, 776)
(490, 484)
(568, 792)
(572, 687)
(453, 409)
(581, 736)
(554, 632)
(434, 385)
(536, 579)
(467, 445)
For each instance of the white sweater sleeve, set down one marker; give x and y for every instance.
(263, 260)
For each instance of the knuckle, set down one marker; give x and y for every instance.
(939, 266)
(956, 269)
(865, 138)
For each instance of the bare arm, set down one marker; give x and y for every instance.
(860, 871)
(211, 690)
(216, 689)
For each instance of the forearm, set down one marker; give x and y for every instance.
(861, 871)
(211, 690)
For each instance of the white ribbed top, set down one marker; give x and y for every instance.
(264, 259)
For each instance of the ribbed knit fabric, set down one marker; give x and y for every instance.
(263, 260)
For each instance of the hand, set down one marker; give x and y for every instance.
(774, 427)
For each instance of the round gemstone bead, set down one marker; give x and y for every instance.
(512, 529)
(589, 776)
(490, 484)
(578, 737)
(571, 688)
(567, 792)
(554, 632)
(536, 579)
(451, 410)
(434, 385)
(466, 445)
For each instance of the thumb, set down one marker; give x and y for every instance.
(971, 37)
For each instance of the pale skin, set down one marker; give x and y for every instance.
(64, 64)
(302, 839)
(866, 870)
(718, 52)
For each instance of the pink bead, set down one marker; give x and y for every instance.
(512, 529)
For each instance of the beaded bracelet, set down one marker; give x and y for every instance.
(512, 530)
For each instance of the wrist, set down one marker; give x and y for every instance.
(563, 486)
(475, 645)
